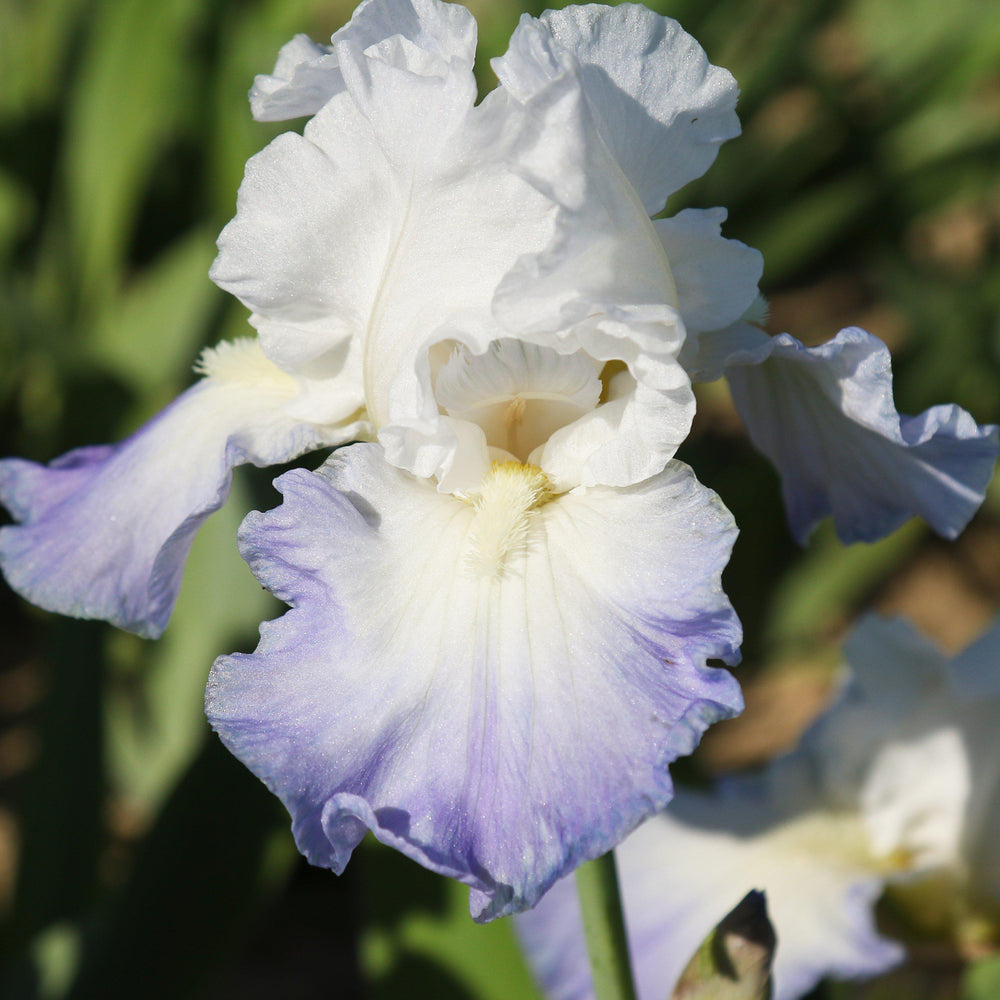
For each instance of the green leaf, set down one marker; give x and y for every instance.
(135, 84)
(150, 333)
(33, 43)
(831, 579)
(811, 222)
(419, 941)
(982, 980)
(216, 855)
(60, 829)
(17, 209)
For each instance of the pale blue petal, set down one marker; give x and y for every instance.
(499, 730)
(104, 531)
(825, 417)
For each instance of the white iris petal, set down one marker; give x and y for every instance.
(523, 217)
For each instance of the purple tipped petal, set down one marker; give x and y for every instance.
(104, 531)
(501, 728)
(826, 418)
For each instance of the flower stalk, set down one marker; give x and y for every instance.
(604, 928)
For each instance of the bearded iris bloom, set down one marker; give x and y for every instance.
(896, 784)
(505, 601)
(502, 614)
(405, 224)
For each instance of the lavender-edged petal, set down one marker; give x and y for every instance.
(499, 722)
(825, 417)
(104, 531)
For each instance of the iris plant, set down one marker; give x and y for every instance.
(504, 600)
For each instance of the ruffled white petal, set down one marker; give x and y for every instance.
(605, 257)
(104, 531)
(716, 278)
(307, 75)
(660, 107)
(520, 196)
(706, 357)
(493, 685)
(444, 219)
(826, 418)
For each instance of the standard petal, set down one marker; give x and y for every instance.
(604, 283)
(826, 418)
(307, 75)
(662, 109)
(105, 531)
(683, 870)
(406, 141)
(499, 728)
(605, 257)
(716, 278)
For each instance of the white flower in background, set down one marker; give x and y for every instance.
(897, 781)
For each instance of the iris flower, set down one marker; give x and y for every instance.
(504, 601)
(898, 783)
(502, 613)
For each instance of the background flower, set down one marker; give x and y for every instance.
(897, 782)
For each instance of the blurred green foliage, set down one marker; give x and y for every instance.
(141, 859)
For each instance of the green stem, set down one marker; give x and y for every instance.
(604, 927)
